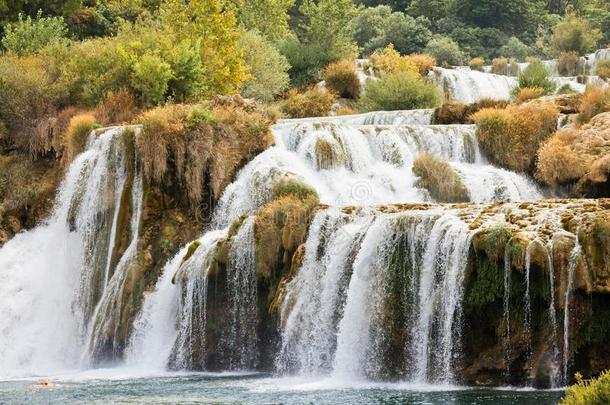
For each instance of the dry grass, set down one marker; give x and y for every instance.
(312, 103)
(504, 66)
(567, 63)
(193, 144)
(346, 111)
(528, 93)
(390, 61)
(439, 178)
(477, 64)
(422, 61)
(579, 156)
(452, 112)
(117, 107)
(76, 135)
(341, 78)
(510, 137)
(603, 69)
(595, 100)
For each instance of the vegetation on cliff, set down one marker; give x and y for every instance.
(440, 179)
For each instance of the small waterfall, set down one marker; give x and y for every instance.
(506, 304)
(553, 318)
(528, 299)
(192, 275)
(573, 262)
(470, 86)
(242, 340)
(53, 277)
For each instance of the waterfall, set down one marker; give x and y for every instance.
(470, 86)
(553, 318)
(528, 299)
(242, 342)
(573, 262)
(506, 304)
(53, 277)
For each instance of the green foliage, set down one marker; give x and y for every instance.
(306, 60)
(477, 41)
(268, 17)
(150, 79)
(516, 49)
(596, 330)
(268, 68)
(29, 35)
(440, 179)
(446, 51)
(574, 34)
(376, 28)
(536, 75)
(399, 91)
(326, 24)
(589, 392)
(488, 285)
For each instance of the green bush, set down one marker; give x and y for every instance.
(29, 35)
(536, 75)
(399, 91)
(574, 34)
(589, 392)
(516, 49)
(341, 78)
(268, 68)
(445, 51)
(306, 60)
(150, 79)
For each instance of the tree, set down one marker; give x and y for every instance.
(514, 48)
(446, 51)
(269, 17)
(433, 10)
(210, 25)
(326, 24)
(268, 68)
(574, 34)
(29, 35)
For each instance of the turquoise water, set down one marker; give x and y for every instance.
(256, 389)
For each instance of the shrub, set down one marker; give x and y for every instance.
(567, 63)
(399, 91)
(150, 79)
(314, 102)
(510, 137)
(528, 93)
(446, 51)
(504, 66)
(450, 113)
(477, 64)
(389, 60)
(516, 49)
(574, 34)
(559, 161)
(603, 69)
(342, 79)
(595, 100)
(422, 61)
(295, 188)
(305, 60)
(77, 134)
(118, 107)
(589, 392)
(29, 35)
(536, 75)
(440, 179)
(268, 68)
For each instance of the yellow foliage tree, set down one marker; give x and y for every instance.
(211, 24)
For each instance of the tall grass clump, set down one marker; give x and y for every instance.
(476, 64)
(595, 100)
(567, 63)
(399, 91)
(342, 79)
(536, 75)
(603, 69)
(76, 135)
(440, 179)
(528, 93)
(510, 137)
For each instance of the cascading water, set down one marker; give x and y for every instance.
(470, 86)
(55, 276)
(506, 304)
(573, 262)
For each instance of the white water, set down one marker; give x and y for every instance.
(574, 257)
(469, 86)
(506, 304)
(53, 275)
